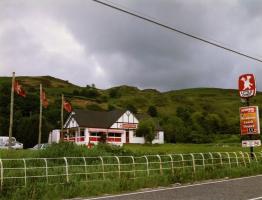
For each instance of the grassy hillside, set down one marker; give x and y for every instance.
(225, 101)
(197, 113)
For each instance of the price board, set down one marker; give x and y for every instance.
(249, 120)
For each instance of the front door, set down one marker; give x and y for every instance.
(127, 136)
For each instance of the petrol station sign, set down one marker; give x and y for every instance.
(247, 85)
(249, 120)
(251, 143)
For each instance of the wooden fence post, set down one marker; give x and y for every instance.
(228, 157)
(103, 167)
(46, 170)
(182, 159)
(212, 159)
(134, 166)
(25, 170)
(119, 169)
(147, 167)
(172, 164)
(236, 157)
(160, 165)
(255, 156)
(66, 169)
(220, 156)
(84, 159)
(193, 162)
(203, 158)
(243, 158)
(248, 157)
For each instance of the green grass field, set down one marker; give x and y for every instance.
(186, 148)
(135, 149)
(89, 178)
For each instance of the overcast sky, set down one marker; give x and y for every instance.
(85, 42)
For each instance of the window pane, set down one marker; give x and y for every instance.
(117, 134)
(111, 134)
(99, 134)
(93, 134)
(82, 132)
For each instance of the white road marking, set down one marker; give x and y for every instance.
(257, 198)
(176, 187)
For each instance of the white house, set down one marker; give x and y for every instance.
(87, 127)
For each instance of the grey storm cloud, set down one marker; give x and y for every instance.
(85, 42)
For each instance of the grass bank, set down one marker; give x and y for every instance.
(69, 149)
(186, 148)
(112, 182)
(116, 186)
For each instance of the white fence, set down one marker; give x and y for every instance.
(21, 172)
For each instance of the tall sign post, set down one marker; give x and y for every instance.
(249, 115)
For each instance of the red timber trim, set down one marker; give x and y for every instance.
(75, 139)
(109, 139)
(94, 139)
(69, 139)
(80, 139)
(97, 130)
(114, 139)
(105, 131)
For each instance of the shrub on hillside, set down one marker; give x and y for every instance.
(94, 107)
(114, 93)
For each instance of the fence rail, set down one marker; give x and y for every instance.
(21, 172)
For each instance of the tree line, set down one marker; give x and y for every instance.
(186, 124)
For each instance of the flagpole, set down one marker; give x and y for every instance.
(11, 110)
(62, 118)
(40, 117)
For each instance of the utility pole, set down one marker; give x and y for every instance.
(40, 116)
(11, 110)
(62, 118)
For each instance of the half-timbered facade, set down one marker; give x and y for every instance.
(90, 127)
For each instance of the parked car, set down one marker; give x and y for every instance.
(40, 146)
(4, 143)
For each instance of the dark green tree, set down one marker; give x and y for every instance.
(184, 112)
(147, 129)
(76, 92)
(175, 130)
(152, 111)
(27, 130)
(131, 108)
(111, 107)
(114, 93)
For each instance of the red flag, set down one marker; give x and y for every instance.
(19, 90)
(67, 106)
(44, 99)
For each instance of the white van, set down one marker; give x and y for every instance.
(4, 143)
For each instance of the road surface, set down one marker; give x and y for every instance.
(246, 188)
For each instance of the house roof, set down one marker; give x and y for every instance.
(94, 119)
(102, 119)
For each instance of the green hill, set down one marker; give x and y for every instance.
(191, 115)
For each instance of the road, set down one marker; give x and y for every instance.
(246, 188)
